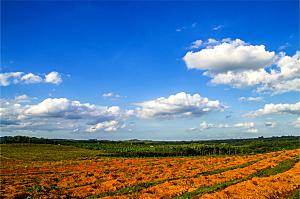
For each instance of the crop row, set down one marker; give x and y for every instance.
(105, 172)
(134, 177)
(277, 186)
(178, 187)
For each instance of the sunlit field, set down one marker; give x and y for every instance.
(58, 171)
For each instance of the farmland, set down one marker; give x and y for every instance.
(66, 171)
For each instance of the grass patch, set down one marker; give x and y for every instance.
(295, 195)
(44, 152)
(209, 189)
(207, 173)
(281, 167)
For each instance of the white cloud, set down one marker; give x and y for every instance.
(9, 112)
(284, 78)
(31, 79)
(252, 130)
(196, 44)
(112, 95)
(280, 87)
(21, 97)
(239, 79)
(276, 109)
(65, 108)
(218, 27)
(7, 79)
(244, 125)
(210, 42)
(178, 105)
(239, 64)
(251, 99)
(60, 114)
(53, 77)
(204, 125)
(297, 123)
(233, 55)
(107, 126)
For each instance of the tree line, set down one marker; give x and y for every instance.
(148, 148)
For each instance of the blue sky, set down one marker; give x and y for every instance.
(136, 65)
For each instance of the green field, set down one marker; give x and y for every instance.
(45, 152)
(139, 148)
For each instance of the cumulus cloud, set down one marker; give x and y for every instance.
(276, 109)
(196, 44)
(239, 64)
(60, 114)
(65, 108)
(9, 112)
(244, 125)
(297, 123)
(30, 79)
(250, 99)
(233, 55)
(204, 125)
(178, 105)
(285, 77)
(7, 79)
(249, 126)
(280, 87)
(53, 77)
(108, 126)
(112, 95)
(210, 42)
(22, 97)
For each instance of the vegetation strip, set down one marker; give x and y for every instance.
(140, 148)
(140, 186)
(295, 195)
(281, 167)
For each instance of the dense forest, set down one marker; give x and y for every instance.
(142, 148)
